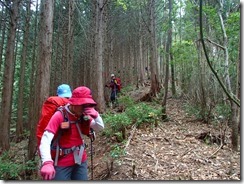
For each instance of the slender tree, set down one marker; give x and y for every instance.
(168, 57)
(20, 105)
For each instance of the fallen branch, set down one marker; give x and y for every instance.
(156, 166)
(216, 151)
(131, 136)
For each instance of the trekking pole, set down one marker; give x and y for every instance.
(92, 138)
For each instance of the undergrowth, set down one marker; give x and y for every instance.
(117, 124)
(13, 169)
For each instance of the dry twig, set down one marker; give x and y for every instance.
(131, 136)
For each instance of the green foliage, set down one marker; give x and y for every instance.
(233, 23)
(233, 34)
(8, 169)
(119, 121)
(126, 89)
(121, 3)
(192, 110)
(207, 140)
(142, 113)
(11, 169)
(181, 52)
(126, 101)
(138, 114)
(117, 151)
(222, 110)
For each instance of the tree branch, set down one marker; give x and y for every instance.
(229, 94)
(214, 43)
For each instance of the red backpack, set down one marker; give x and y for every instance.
(119, 83)
(49, 107)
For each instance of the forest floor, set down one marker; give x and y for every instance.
(182, 148)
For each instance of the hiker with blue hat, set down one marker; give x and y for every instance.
(64, 91)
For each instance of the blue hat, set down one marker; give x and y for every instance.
(64, 91)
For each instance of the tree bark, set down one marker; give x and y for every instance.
(6, 106)
(98, 60)
(3, 33)
(44, 59)
(153, 51)
(20, 105)
(168, 54)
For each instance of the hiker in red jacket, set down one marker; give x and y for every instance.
(115, 86)
(69, 158)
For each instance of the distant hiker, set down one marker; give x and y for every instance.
(115, 85)
(62, 147)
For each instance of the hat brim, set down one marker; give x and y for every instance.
(82, 101)
(65, 95)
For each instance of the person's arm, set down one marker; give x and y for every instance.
(97, 122)
(45, 146)
(47, 169)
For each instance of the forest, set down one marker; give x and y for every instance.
(178, 114)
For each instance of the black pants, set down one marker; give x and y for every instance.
(114, 95)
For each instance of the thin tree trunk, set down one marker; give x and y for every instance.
(20, 105)
(234, 124)
(168, 47)
(172, 77)
(71, 41)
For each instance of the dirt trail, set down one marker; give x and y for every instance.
(169, 152)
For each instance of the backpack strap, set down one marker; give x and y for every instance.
(78, 154)
(56, 141)
(77, 151)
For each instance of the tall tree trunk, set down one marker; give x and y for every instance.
(173, 89)
(140, 66)
(3, 31)
(99, 51)
(32, 108)
(6, 106)
(238, 82)
(153, 50)
(44, 61)
(168, 57)
(234, 124)
(227, 86)
(71, 41)
(56, 73)
(20, 105)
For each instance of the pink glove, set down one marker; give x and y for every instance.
(47, 170)
(91, 112)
